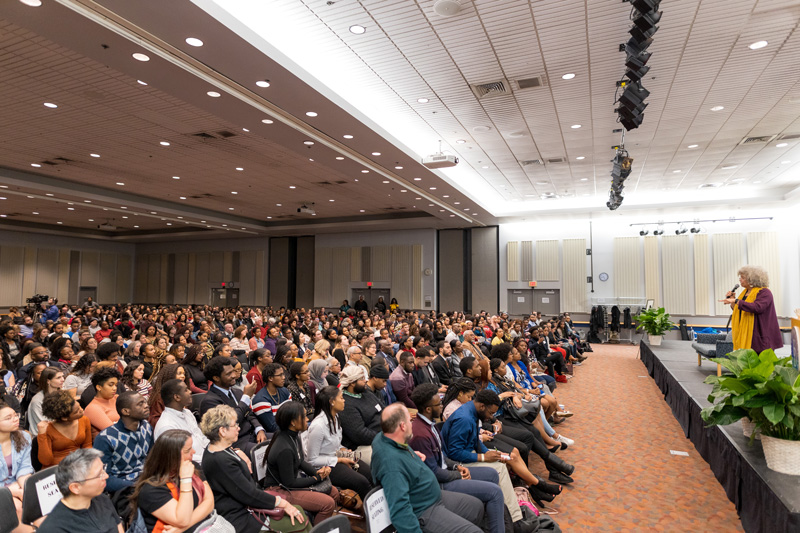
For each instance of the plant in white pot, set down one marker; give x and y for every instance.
(766, 390)
(655, 322)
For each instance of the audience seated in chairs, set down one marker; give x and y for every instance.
(177, 398)
(228, 472)
(361, 417)
(16, 445)
(102, 411)
(52, 379)
(66, 430)
(166, 373)
(274, 394)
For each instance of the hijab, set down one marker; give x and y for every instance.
(315, 369)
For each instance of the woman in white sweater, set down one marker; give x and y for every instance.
(325, 440)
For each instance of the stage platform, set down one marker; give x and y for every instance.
(765, 500)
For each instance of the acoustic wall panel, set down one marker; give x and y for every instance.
(247, 278)
(450, 264)
(573, 283)
(526, 255)
(29, 271)
(702, 275)
(278, 271)
(763, 249)
(181, 278)
(729, 257)
(340, 276)
(416, 276)
(227, 267)
(262, 276)
(381, 263)
(202, 294)
(355, 263)
(47, 272)
(191, 276)
(652, 276)
(628, 268)
(89, 267)
(485, 270)
(304, 296)
(402, 267)
(154, 278)
(63, 276)
(547, 260)
(163, 278)
(140, 278)
(216, 261)
(322, 277)
(107, 286)
(512, 261)
(676, 262)
(123, 289)
(11, 261)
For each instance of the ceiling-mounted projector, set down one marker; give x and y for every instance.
(307, 210)
(440, 161)
(106, 227)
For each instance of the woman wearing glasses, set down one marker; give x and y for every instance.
(16, 447)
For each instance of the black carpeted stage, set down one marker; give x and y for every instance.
(766, 501)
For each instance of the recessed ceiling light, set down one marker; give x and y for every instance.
(234, 192)
(292, 187)
(676, 171)
(239, 168)
(136, 226)
(37, 165)
(49, 194)
(461, 141)
(269, 217)
(176, 177)
(4, 216)
(417, 179)
(398, 168)
(3, 198)
(568, 76)
(446, 196)
(213, 94)
(361, 211)
(194, 41)
(693, 146)
(474, 214)
(376, 153)
(441, 210)
(580, 158)
(430, 205)
(785, 162)
(153, 213)
(717, 108)
(279, 205)
(32, 3)
(50, 105)
(781, 145)
(95, 155)
(246, 130)
(386, 181)
(140, 82)
(120, 183)
(263, 83)
(348, 136)
(432, 188)
(308, 143)
(91, 220)
(123, 207)
(575, 126)
(758, 44)
(729, 167)
(138, 56)
(230, 209)
(542, 183)
(584, 179)
(169, 223)
(164, 143)
(68, 209)
(418, 198)
(484, 167)
(202, 221)
(423, 100)
(365, 171)
(357, 29)
(452, 215)
(267, 121)
(124, 216)
(340, 158)
(403, 190)
(311, 113)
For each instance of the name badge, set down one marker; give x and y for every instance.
(302, 396)
(377, 407)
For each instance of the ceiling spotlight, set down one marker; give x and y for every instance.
(696, 230)
(308, 143)
(461, 141)
(717, 108)
(95, 155)
(32, 3)
(164, 143)
(643, 232)
(659, 231)
(376, 153)
(213, 94)
(580, 158)
(575, 126)
(347, 136)
(311, 114)
(50, 105)
(758, 44)
(266, 121)
(357, 29)
(779, 145)
(680, 231)
(568, 76)
(263, 83)
(140, 82)
(138, 56)
(194, 41)
(423, 100)
(37, 165)
(340, 158)
(692, 146)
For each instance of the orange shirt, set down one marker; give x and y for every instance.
(53, 446)
(101, 413)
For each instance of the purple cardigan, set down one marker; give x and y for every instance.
(766, 331)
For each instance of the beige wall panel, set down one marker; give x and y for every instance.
(652, 274)
(340, 275)
(262, 273)
(573, 284)
(140, 278)
(191, 276)
(47, 272)
(202, 295)
(678, 272)
(547, 260)
(401, 275)
(227, 267)
(107, 286)
(526, 255)
(154, 278)
(12, 259)
(322, 277)
(702, 275)
(416, 276)
(215, 268)
(247, 278)
(355, 263)
(181, 278)
(381, 263)
(29, 272)
(763, 249)
(89, 269)
(63, 275)
(512, 261)
(729, 256)
(162, 281)
(123, 290)
(628, 268)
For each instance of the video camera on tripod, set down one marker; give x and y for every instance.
(37, 299)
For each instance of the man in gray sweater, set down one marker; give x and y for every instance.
(361, 418)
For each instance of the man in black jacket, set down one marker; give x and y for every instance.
(361, 418)
(220, 371)
(361, 305)
(441, 363)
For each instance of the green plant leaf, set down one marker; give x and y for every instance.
(757, 402)
(782, 391)
(723, 417)
(795, 409)
(788, 421)
(738, 401)
(734, 385)
(788, 374)
(774, 412)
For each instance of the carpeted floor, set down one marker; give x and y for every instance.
(625, 477)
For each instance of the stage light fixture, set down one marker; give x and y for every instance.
(632, 106)
(643, 233)
(696, 230)
(680, 231)
(659, 231)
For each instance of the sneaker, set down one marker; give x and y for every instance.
(565, 440)
(577, 363)
(564, 414)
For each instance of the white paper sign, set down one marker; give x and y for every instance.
(258, 456)
(545, 300)
(48, 493)
(521, 299)
(378, 512)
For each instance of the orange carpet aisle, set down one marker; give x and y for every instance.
(625, 478)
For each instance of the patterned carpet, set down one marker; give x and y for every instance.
(625, 478)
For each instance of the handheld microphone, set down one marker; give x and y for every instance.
(733, 290)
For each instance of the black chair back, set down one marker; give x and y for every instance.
(376, 511)
(34, 507)
(257, 460)
(197, 399)
(9, 512)
(339, 524)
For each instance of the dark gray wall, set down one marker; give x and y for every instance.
(305, 272)
(278, 271)
(484, 269)
(451, 270)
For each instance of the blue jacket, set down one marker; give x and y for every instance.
(461, 437)
(20, 463)
(50, 314)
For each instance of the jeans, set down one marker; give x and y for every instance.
(547, 380)
(453, 513)
(484, 485)
(509, 496)
(547, 427)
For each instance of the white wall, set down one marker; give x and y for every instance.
(606, 228)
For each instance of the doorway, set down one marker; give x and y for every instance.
(85, 292)
(222, 297)
(370, 296)
(547, 301)
(520, 302)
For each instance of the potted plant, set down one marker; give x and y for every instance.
(655, 322)
(766, 390)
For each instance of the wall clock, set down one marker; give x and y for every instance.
(603, 276)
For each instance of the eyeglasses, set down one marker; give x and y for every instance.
(101, 475)
(11, 418)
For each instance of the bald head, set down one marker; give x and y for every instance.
(396, 423)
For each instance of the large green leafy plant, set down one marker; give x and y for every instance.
(655, 322)
(762, 387)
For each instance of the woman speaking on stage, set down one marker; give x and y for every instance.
(755, 322)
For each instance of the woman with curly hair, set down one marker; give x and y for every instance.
(81, 376)
(168, 372)
(193, 362)
(755, 322)
(133, 379)
(67, 430)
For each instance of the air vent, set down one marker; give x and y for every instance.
(63, 159)
(531, 162)
(709, 185)
(340, 182)
(226, 134)
(493, 88)
(203, 135)
(556, 160)
(789, 136)
(323, 183)
(757, 140)
(530, 83)
(202, 196)
(51, 163)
